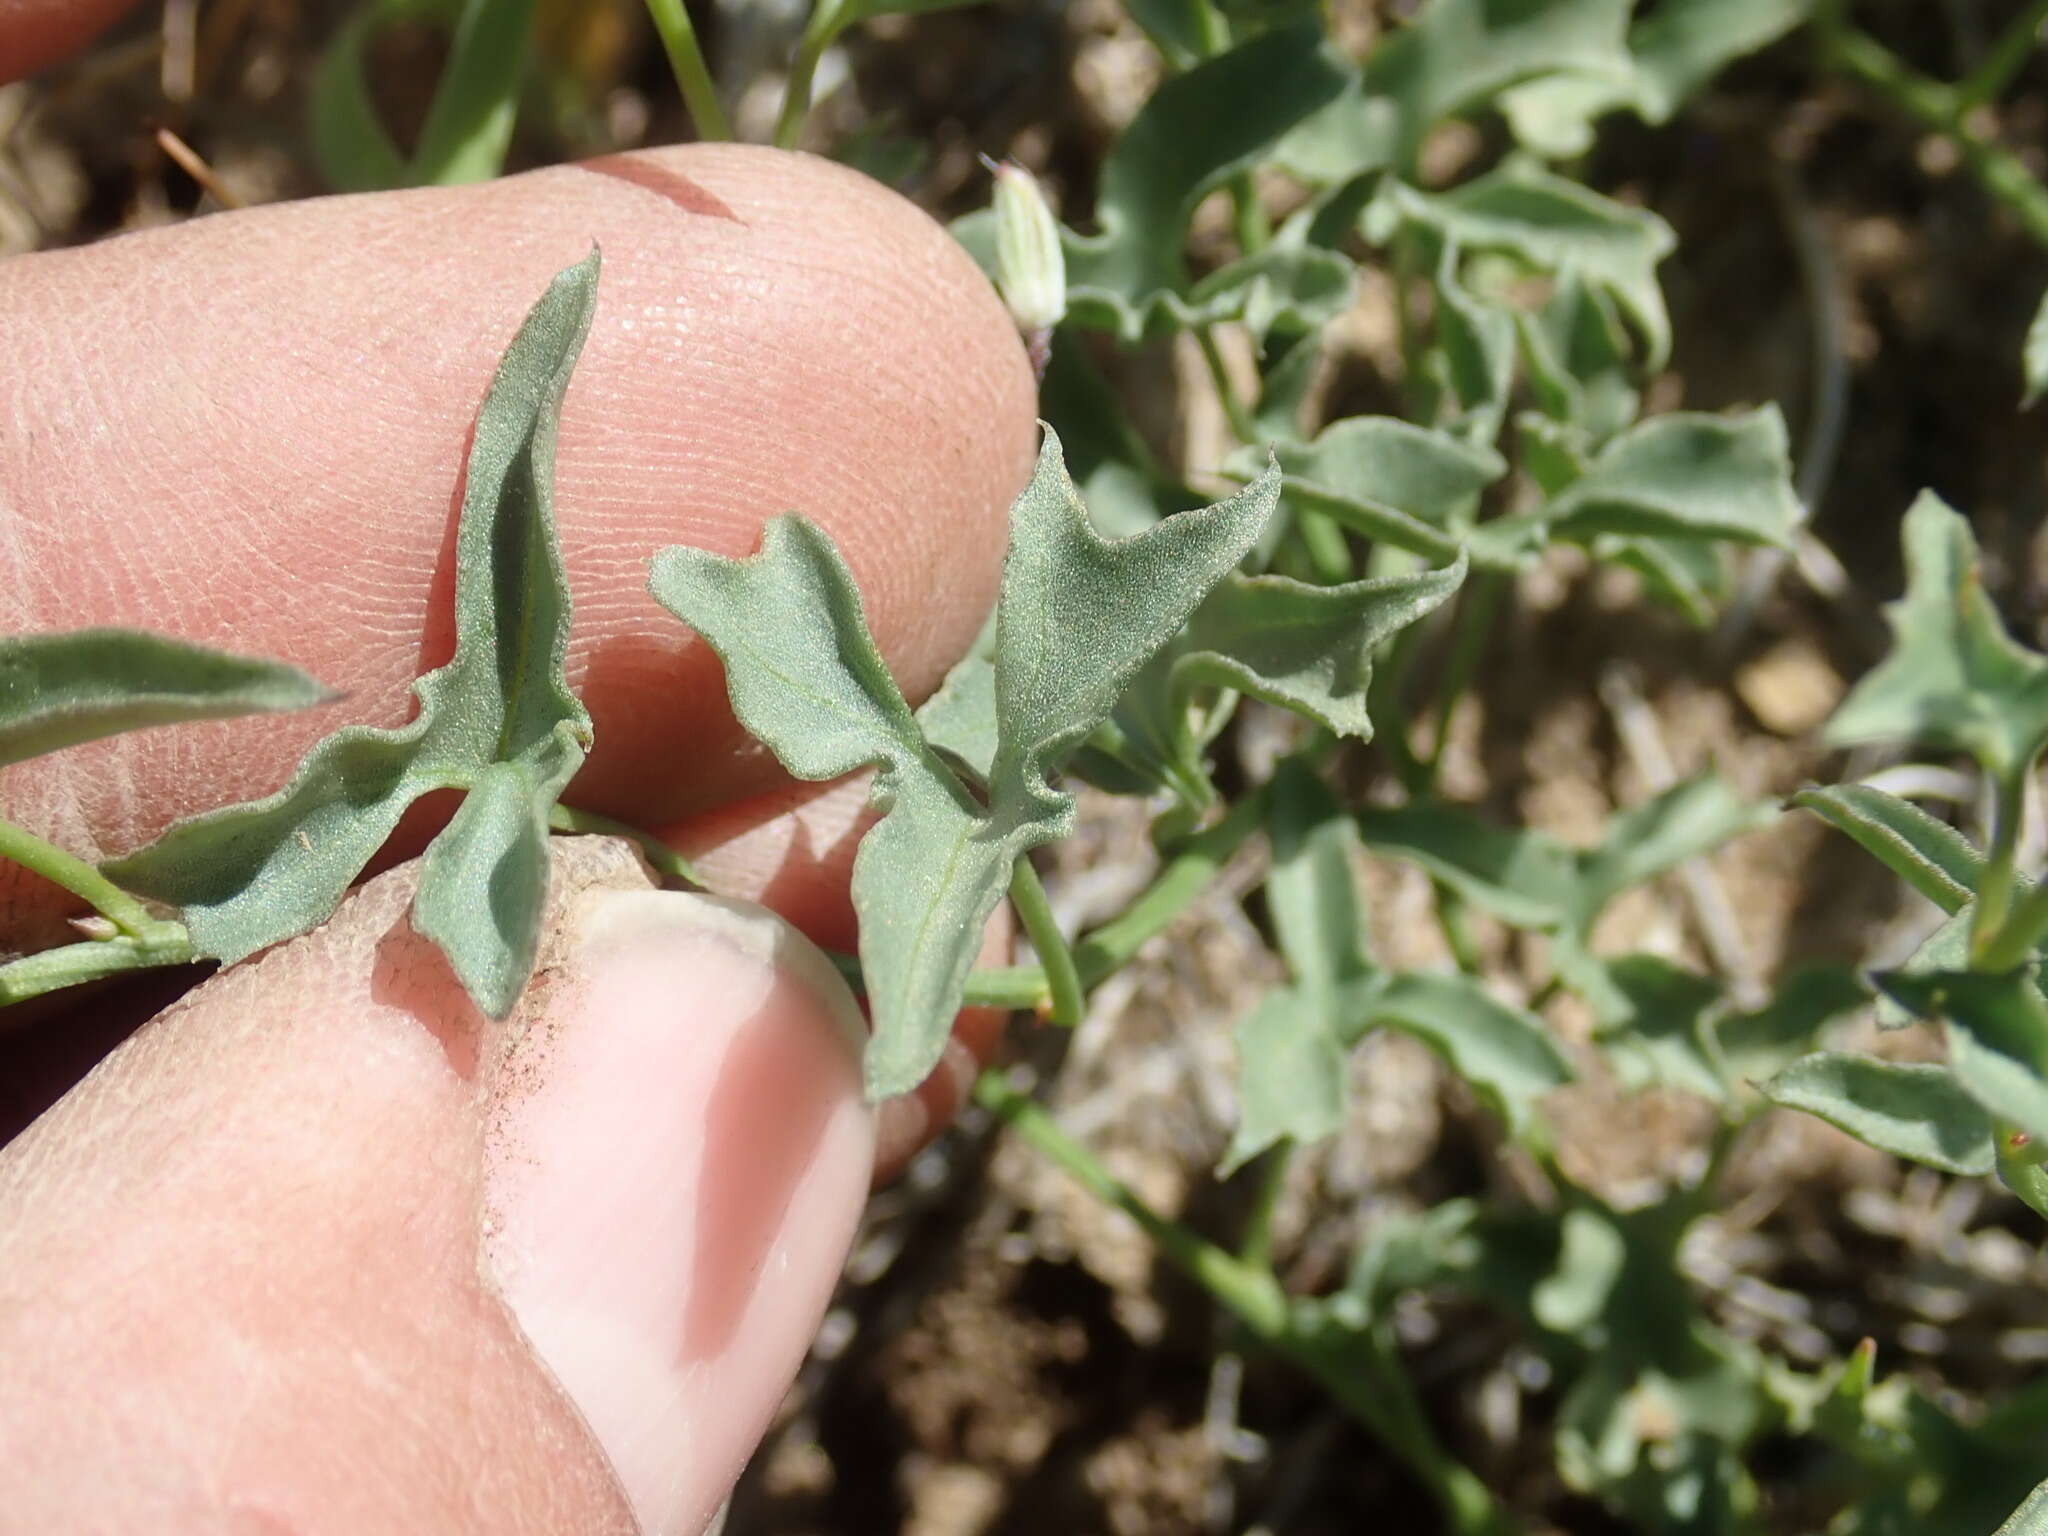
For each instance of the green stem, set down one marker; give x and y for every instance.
(1477, 607)
(1100, 954)
(1067, 1002)
(1186, 876)
(664, 859)
(2008, 56)
(1941, 109)
(1358, 1368)
(819, 33)
(1322, 539)
(1248, 215)
(1241, 424)
(1450, 916)
(124, 911)
(1995, 885)
(1257, 1247)
(51, 970)
(686, 59)
(1250, 1292)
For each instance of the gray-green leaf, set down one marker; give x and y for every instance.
(1997, 1038)
(1954, 679)
(1688, 476)
(1929, 855)
(59, 690)
(1078, 617)
(1306, 648)
(498, 716)
(1914, 1111)
(1554, 225)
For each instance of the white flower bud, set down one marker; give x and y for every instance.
(1031, 269)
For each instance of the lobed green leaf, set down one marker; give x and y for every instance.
(1456, 57)
(1079, 616)
(1954, 678)
(1505, 1053)
(1554, 225)
(498, 717)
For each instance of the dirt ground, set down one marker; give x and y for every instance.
(1005, 1356)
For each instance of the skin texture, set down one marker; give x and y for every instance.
(398, 1269)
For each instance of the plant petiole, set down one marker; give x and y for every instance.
(664, 859)
(1995, 887)
(52, 970)
(1065, 999)
(828, 19)
(124, 911)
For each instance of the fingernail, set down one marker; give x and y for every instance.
(676, 1158)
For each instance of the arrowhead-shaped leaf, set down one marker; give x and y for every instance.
(1954, 679)
(1526, 879)
(1685, 821)
(1078, 617)
(59, 690)
(1673, 51)
(1456, 57)
(1306, 648)
(498, 717)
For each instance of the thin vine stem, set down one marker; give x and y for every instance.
(1943, 109)
(1357, 1367)
(664, 859)
(2006, 58)
(693, 76)
(1995, 886)
(1242, 427)
(124, 911)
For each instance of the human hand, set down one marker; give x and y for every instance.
(320, 1247)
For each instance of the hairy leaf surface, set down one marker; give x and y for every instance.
(1911, 1110)
(498, 715)
(59, 690)
(1078, 617)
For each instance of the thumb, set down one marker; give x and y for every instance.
(323, 1249)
